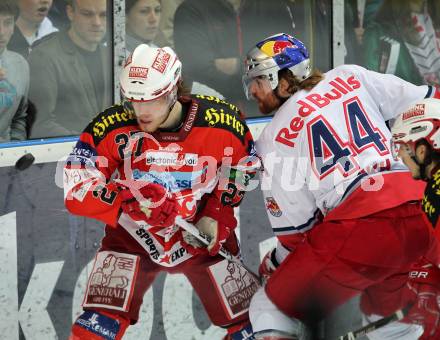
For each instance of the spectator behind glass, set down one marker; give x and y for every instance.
(14, 79)
(142, 22)
(70, 78)
(32, 24)
(211, 38)
(166, 25)
(402, 41)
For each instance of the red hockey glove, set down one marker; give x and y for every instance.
(150, 203)
(424, 283)
(268, 265)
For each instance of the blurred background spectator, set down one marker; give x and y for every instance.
(32, 24)
(166, 25)
(142, 19)
(70, 72)
(211, 38)
(315, 30)
(58, 15)
(404, 40)
(14, 79)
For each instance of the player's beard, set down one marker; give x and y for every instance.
(269, 103)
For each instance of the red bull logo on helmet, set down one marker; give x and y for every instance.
(272, 48)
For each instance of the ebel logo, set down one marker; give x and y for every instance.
(99, 324)
(172, 159)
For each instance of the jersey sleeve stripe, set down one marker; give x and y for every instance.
(433, 92)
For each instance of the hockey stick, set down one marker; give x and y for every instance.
(396, 316)
(205, 239)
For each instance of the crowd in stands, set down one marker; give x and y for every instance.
(56, 55)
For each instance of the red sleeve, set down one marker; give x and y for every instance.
(87, 190)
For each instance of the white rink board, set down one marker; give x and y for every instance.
(52, 150)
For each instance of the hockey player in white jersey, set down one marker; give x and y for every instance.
(345, 212)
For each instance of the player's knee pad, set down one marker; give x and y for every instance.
(268, 322)
(98, 325)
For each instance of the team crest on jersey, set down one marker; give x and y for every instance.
(112, 281)
(235, 285)
(273, 207)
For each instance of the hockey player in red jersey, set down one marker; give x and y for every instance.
(416, 129)
(136, 167)
(345, 212)
(416, 138)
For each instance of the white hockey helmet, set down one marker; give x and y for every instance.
(420, 121)
(149, 73)
(273, 54)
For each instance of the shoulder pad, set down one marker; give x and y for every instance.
(110, 119)
(218, 113)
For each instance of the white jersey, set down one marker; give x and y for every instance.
(322, 144)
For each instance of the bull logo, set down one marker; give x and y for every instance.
(273, 207)
(272, 48)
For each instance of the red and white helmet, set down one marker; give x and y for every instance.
(150, 73)
(420, 121)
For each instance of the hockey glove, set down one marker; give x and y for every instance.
(192, 244)
(268, 265)
(216, 221)
(153, 205)
(424, 284)
(216, 232)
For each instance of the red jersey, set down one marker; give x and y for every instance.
(208, 155)
(431, 202)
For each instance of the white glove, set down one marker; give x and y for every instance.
(217, 233)
(191, 240)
